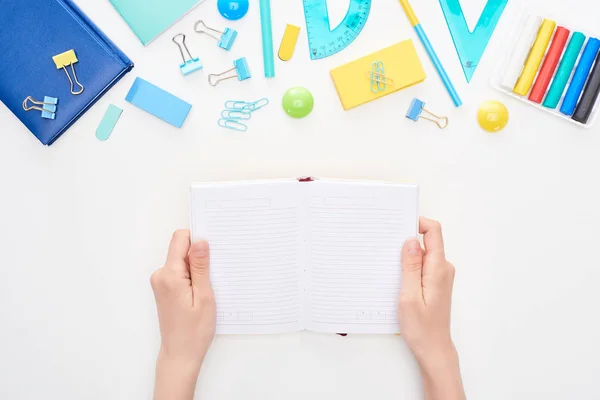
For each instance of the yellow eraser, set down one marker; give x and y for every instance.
(536, 56)
(402, 67)
(65, 59)
(288, 43)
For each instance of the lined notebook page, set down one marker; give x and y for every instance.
(355, 236)
(255, 232)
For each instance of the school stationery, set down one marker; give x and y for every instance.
(590, 95)
(564, 70)
(586, 61)
(149, 18)
(416, 110)
(190, 63)
(470, 46)
(298, 102)
(321, 255)
(288, 43)
(31, 34)
(233, 9)
(225, 39)
(414, 21)
(47, 107)
(492, 116)
(556, 81)
(402, 67)
(67, 59)
(237, 112)
(325, 40)
(267, 38)
(536, 56)
(108, 123)
(158, 102)
(241, 69)
(520, 51)
(549, 66)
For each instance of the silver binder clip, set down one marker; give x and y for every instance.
(189, 65)
(64, 60)
(48, 106)
(225, 39)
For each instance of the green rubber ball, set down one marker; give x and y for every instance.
(298, 102)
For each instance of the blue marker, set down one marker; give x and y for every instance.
(579, 78)
(267, 38)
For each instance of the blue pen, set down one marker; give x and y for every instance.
(412, 17)
(267, 38)
(581, 73)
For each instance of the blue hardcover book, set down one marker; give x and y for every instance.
(31, 34)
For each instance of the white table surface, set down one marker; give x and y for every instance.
(84, 223)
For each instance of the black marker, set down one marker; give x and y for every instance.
(590, 95)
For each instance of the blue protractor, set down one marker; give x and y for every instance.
(324, 41)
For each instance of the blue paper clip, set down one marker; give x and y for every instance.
(188, 66)
(242, 72)
(233, 124)
(48, 106)
(243, 114)
(379, 82)
(416, 109)
(244, 105)
(225, 40)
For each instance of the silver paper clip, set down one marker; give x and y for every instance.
(48, 106)
(189, 65)
(225, 39)
(242, 72)
(63, 60)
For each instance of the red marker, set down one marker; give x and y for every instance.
(550, 63)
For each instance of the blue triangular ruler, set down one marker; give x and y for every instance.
(471, 45)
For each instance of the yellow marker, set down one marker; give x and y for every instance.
(536, 56)
(492, 116)
(402, 66)
(288, 43)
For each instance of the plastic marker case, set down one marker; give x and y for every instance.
(515, 75)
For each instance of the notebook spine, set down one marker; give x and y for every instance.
(95, 32)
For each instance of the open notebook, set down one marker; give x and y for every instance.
(322, 255)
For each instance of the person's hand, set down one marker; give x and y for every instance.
(424, 312)
(186, 314)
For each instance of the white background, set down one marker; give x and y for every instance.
(84, 223)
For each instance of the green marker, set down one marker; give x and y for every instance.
(564, 70)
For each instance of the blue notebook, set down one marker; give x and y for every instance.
(31, 33)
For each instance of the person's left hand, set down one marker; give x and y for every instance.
(186, 314)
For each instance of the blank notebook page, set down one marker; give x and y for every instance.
(355, 236)
(255, 236)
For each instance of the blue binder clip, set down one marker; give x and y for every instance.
(242, 72)
(48, 106)
(225, 40)
(416, 109)
(188, 66)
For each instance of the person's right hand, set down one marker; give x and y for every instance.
(424, 312)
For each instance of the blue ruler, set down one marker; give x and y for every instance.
(324, 41)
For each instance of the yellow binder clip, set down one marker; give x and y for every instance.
(63, 60)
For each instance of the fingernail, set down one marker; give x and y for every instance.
(413, 246)
(200, 249)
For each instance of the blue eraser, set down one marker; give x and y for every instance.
(227, 39)
(158, 102)
(586, 61)
(243, 71)
(191, 66)
(415, 110)
(49, 109)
